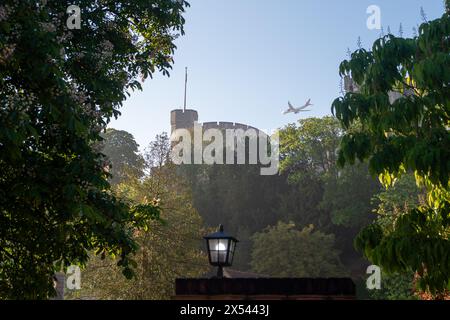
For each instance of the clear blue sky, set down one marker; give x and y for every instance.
(247, 58)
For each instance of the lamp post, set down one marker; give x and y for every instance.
(221, 247)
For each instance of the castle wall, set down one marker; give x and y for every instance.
(180, 119)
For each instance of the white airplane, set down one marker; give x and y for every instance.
(299, 109)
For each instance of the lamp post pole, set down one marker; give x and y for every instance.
(220, 272)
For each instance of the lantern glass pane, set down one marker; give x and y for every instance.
(218, 250)
(231, 254)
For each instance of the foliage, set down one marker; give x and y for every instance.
(395, 287)
(348, 197)
(158, 151)
(334, 200)
(301, 202)
(122, 152)
(310, 147)
(308, 156)
(284, 251)
(236, 196)
(392, 203)
(168, 250)
(408, 134)
(309, 190)
(397, 200)
(58, 89)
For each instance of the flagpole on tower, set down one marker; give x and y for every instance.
(185, 87)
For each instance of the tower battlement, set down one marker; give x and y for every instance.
(185, 119)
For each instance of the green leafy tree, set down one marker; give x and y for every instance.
(122, 152)
(237, 196)
(300, 202)
(393, 203)
(310, 147)
(285, 251)
(348, 197)
(395, 287)
(158, 151)
(408, 134)
(335, 200)
(308, 158)
(58, 90)
(398, 200)
(347, 201)
(167, 250)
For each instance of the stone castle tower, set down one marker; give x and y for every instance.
(185, 119)
(182, 119)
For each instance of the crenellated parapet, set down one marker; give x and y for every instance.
(223, 125)
(185, 119)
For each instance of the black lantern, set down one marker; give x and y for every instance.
(221, 248)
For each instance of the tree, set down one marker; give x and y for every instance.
(59, 88)
(395, 287)
(347, 201)
(335, 200)
(284, 251)
(167, 250)
(308, 158)
(409, 134)
(348, 197)
(393, 203)
(122, 152)
(158, 151)
(398, 200)
(301, 200)
(310, 147)
(238, 197)
(342, 195)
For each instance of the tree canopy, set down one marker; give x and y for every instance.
(406, 134)
(59, 88)
(310, 147)
(168, 249)
(122, 153)
(284, 251)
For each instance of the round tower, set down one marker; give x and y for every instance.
(183, 119)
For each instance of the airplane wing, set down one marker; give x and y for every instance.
(290, 106)
(288, 110)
